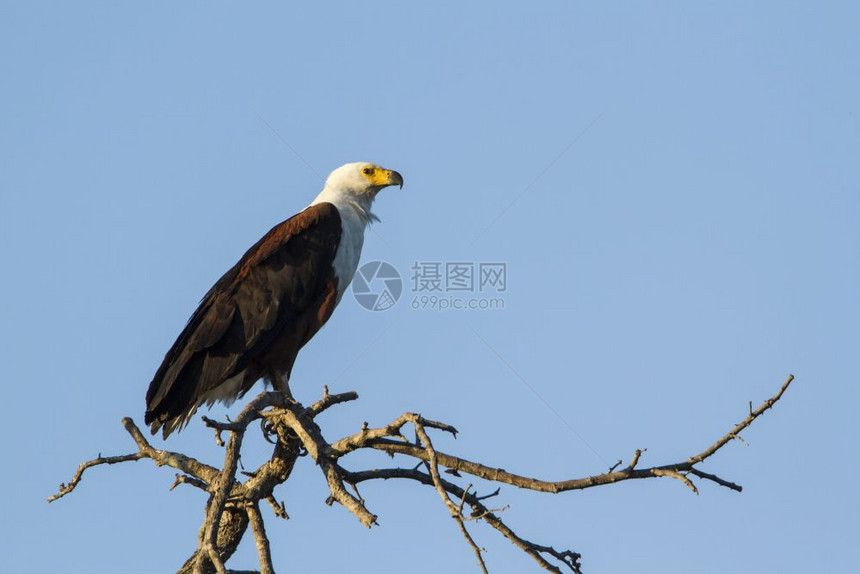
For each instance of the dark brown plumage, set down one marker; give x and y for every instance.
(253, 321)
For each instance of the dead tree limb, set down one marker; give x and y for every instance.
(233, 504)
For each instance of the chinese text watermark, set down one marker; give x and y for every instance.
(434, 285)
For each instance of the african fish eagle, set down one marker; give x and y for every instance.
(253, 321)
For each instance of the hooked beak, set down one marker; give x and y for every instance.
(394, 178)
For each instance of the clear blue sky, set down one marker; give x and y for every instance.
(698, 243)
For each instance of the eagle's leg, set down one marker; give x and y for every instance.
(281, 383)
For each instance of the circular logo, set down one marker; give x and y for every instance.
(377, 286)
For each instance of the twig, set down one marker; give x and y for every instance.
(329, 401)
(735, 432)
(278, 507)
(716, 479)
(185, 479)
(64, 488)
(491, 495)
(392, 429)
(217, 427)
(175, 460)
(635, 460)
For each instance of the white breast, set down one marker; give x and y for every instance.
(354, 219)
(349, 250)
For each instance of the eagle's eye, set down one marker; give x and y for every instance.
(367, 170)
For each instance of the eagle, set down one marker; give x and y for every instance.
(259, 314)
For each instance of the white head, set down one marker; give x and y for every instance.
(356, 184)
(362, 179)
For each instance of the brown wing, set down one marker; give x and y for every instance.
(253, 321)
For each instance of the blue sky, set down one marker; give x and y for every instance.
(666, 265)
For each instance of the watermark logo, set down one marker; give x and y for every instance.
(434, 285)
(377, 286)
(458, 285)
(454, 276)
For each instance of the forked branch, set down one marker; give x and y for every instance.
(234, 504)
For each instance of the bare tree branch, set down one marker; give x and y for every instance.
(329, 401)
(185, 479)
(296, 419)
(260, 539)
(79, 474)
(374, 438)
(223, 485)
(175, 460)
(278, 507)
(456, 511)
(736, 431)
(567, 557)
(233, 505)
